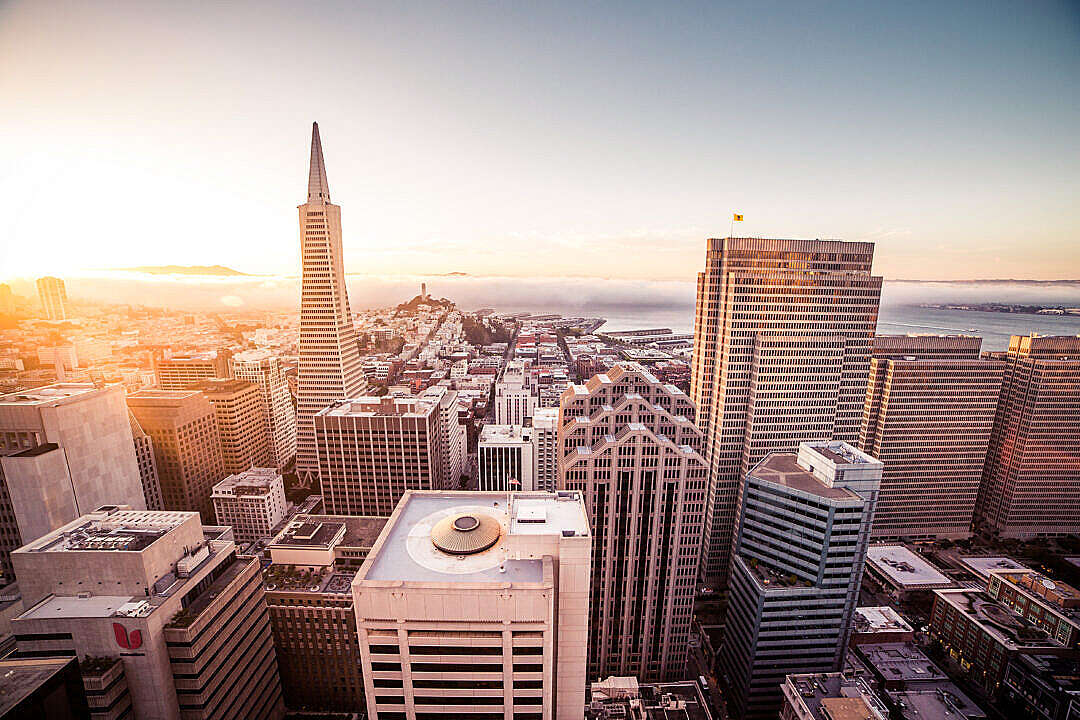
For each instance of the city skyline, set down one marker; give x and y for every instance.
(957, 151)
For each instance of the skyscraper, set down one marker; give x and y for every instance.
(628, 444)
(184, 432)
(263, 368)
(929, 411)
(782, 338)
(144, 455)
(241, 423)
(371, 450)
(800, 548)
(474, 605)
(64, 449)
(53, 297)
(504, 458)
(1029, 486)
(329, 365)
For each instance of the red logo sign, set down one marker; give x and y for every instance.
(126, 641)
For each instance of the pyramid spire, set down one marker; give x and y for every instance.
(318, 189)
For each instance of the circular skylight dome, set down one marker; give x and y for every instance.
(465, 533)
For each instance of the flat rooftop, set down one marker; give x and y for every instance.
(118, 531)
(406, 551)
(841, 454)
(904, 568)
(19, 678)
(900, 661)
(379, 406)
(220, 386)
(153, 394)
(1007, 627)
(503, 434)
(783, 469)
(981, 565)
(256, 481)
(879, 619)
(47, 394)
(841, 696)
(320, 530)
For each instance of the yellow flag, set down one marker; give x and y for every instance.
(738, 218)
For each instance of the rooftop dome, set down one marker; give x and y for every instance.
(465, 533)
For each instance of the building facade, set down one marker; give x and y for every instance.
(628, 443)
(928, 416)
(454, 440)
(516, 395)
(144, 455)
(180, 372)
(329, 366)
(64, 449)
(171, 600)
(53, 296)
(252, 503)
(802, 533)
(472, 606)
(183, 429)
(545, 437)
(309, 594)
(782, 340)
(504, 458)
(263, 369)
(1029, 486)
(241, 423)
(371, 450)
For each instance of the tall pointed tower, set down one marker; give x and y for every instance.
(329, 358)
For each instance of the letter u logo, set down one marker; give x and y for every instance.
(126, 641)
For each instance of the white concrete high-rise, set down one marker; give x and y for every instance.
(476, 605)
(263, 369)
(516, 395)
(782, 341)
(504, 458)
(329, 365)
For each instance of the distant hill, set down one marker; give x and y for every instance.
(220, 270)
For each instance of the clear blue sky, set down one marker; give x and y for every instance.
(603, 139)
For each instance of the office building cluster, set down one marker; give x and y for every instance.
(418, 512)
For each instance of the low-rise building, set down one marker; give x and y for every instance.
(309, 594)
(830, 695)
(1050, 604)
(982, 565)
(902, 572)
(251, 502)
(880, 625)
(619, 698)
(912, 686)
(1042, 687)
(982, 635)
(505, 458)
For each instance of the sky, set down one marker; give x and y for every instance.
(550, 139)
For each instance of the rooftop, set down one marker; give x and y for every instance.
(783, 469)
(322, 530)
(110, 529)
(1001, 623)
(405, 550)
(220, 386)
(379, 406)
(879, 619)
(981, 565)
(19, 678)
(503, 434)
(904, 568)
(47, 394)
(819, 691)
(255, 481)
(661, 701)
(900, 661)
(155, 394)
